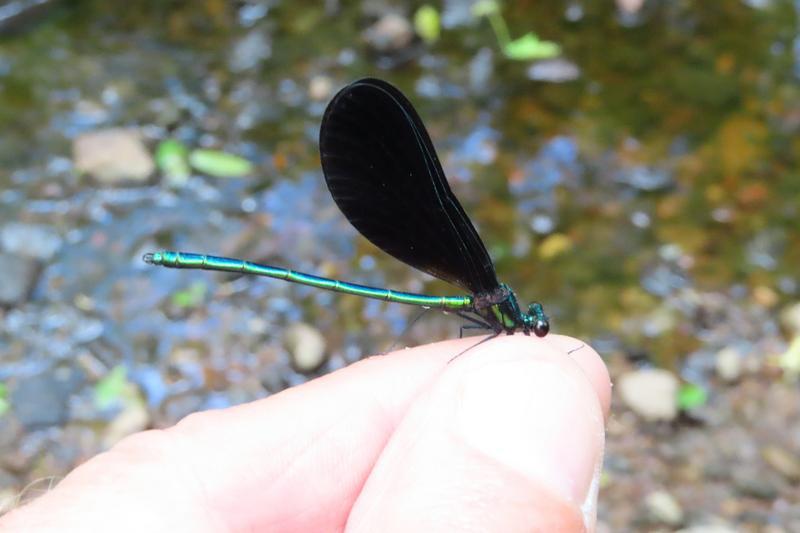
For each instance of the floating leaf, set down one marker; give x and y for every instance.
(484, 8)
(191, 296)
(110, 389)
(427, 24)
(219, 164)
(171, 158)
(691, 396)
(4, 405)
(529, 46)
(789, 360)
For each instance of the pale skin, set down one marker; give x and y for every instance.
(507, 437)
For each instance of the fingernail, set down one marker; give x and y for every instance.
(537, 418)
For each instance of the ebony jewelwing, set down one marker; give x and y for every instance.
(383, 173)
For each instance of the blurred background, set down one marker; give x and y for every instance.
(632, 165)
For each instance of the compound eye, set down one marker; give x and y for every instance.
(541, 328)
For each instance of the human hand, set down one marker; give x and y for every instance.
(507, 437)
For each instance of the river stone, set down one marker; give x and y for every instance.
(650, 393)
(35, 241)
(19, 275)
(306, 346)
(729, 364)
(43, 400)
(113, 156)
(664, 508)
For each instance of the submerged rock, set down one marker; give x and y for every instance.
(554, 71)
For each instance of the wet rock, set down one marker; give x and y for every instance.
(113, 156)
(650, 393)
(556, 70)
(663, 508)
(784, 462)
(18, 278)
(30, 240)
(42, 400)
(306, 346)
(729, 364)
(390, 33)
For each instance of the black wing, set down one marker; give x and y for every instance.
(384, 175)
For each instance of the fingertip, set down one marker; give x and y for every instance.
(509, 422)
(562, 349)
(592, 365)
(526, 392)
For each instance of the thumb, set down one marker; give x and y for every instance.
(509, 437)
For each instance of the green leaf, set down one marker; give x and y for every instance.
(427, 24)
(691, 396)
(4, 405)
(171, 158)
(111, 388)
(192, 296)
(219, 164)
(484, 8)
(529, 47)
